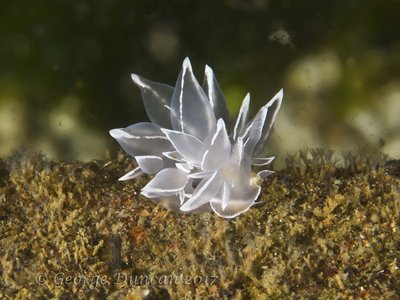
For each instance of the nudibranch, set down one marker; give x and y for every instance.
(197, 163)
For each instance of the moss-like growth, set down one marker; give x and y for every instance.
(319, 230)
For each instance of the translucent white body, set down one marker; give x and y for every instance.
(198, 164)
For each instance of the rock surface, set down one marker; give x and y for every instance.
(72, 230)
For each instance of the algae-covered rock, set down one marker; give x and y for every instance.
(72, 230)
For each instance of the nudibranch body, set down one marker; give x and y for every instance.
(196, 162)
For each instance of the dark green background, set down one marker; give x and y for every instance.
(50, 49)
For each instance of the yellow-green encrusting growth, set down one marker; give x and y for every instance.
(319, 230)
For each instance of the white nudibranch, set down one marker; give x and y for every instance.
(197, 163)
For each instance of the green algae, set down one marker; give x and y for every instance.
(72, 230)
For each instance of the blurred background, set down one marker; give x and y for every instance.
(65, 68)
